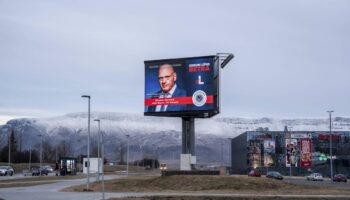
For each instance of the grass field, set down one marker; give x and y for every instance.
(209, 184)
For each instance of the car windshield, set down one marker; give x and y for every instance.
(3, 167)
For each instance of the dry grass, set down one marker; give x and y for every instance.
(210, 184)
(35, 180)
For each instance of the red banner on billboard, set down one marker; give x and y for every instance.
(305, 153)
(174, 101)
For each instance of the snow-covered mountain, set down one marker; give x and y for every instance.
(151, 135)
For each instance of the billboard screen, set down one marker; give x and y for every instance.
(182, 87)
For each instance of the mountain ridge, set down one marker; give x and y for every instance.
(152, 134)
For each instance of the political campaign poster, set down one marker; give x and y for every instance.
(182, 87)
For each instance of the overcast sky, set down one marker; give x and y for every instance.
(292, 58)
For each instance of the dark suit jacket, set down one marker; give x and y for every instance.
(177, 93)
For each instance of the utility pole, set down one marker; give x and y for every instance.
(222, 154)
(127, 156)
(41, 144)
(88, 145)
(103, 173)
(330, 142)
(9, 137)
(98, 150)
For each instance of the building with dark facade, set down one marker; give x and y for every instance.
(294, 153)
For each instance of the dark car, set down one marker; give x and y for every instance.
(37, 171)
(254, 173)
(339, 178)
(275, 175)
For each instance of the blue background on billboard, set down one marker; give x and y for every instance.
(206, 77)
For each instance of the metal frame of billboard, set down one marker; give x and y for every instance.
(193, 113)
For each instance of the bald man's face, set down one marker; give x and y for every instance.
(166, 77)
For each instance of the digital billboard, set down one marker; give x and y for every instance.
(183, 87)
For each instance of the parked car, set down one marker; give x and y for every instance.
(48, 168)
(314, 177)
(36, 171)
(274, 174)
(6, 170)
(254, 173)
(339, 178)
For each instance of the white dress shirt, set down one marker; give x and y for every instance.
(165, 95)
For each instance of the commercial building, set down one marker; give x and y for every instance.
(291, 152)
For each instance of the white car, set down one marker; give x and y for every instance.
(6, 170)
(48, 168)
(315, 177)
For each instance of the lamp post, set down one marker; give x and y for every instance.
(222, 154)
(30, 155)
(230, 154)
(103, 173)
(41, 144)
(330, 142)
(127, 156)
(290, 161)
(88, 144)
(98, 150)
(9, 137)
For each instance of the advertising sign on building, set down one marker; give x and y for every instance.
(291, 152)
(255, 153)
(305, 153)
(269, 152)
(300, 135)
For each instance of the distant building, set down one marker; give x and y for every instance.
(298, 152)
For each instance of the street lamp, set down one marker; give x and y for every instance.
(127, 155)
(41, 144)
(30, 155)
(9, 137)
(98, 149)
(290, 161)
(230, 153)
(330, 142)
(222, 154)
(103, 173)
(88, 144)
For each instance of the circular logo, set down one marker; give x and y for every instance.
(199, 98)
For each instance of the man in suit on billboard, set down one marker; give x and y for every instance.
(169, 89)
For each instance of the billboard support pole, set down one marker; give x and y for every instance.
(188, 140)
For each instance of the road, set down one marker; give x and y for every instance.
(326, 183)
(51, 191)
